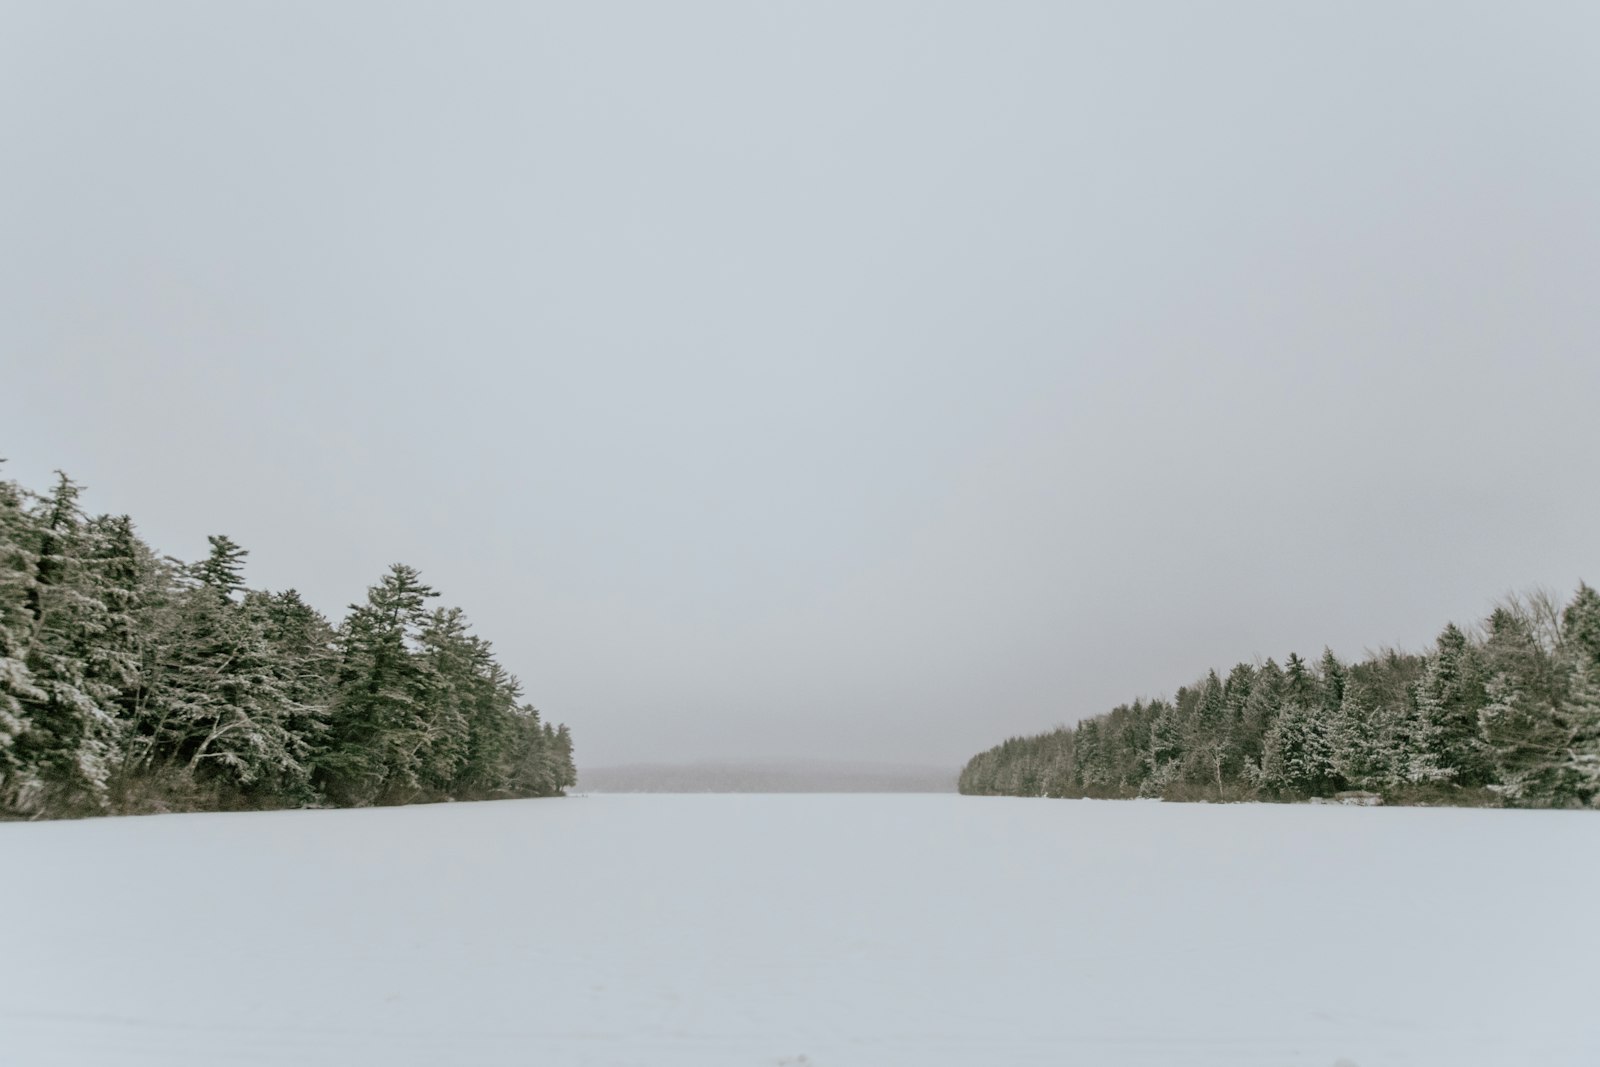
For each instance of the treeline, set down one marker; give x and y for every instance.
(133, 682)
(1506, 714)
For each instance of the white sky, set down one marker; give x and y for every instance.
(853, 380)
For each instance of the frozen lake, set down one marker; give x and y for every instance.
(825, 930)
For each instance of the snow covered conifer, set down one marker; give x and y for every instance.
(18, 562)
(1299, 684)
(223, 569)
(1580, 720)
(1332, 678)
(1450, 696)
(375, 729)
(1580, 624)
(65, 750)
(1526, 740)
(1297, 756)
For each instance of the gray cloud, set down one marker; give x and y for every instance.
(864, 380)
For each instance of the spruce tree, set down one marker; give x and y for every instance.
(1450, 696)
(1580, 625)
(1580, 720)
(1527, 742)
(1332, 683)
(1210, 736)
(1164, 758)
(1299, 684)
(1297, 755)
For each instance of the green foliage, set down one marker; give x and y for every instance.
(132, 683)
(1510, 715)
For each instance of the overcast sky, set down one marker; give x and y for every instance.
(856, 380)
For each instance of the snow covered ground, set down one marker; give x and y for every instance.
(829, 931)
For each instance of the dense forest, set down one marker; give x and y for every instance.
(133, 682)
(1505, 714)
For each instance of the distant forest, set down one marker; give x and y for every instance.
(800, 776)
(1507, 713)
(133, 682)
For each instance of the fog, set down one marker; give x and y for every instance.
(864, 381)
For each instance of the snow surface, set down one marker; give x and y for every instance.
(829, 931)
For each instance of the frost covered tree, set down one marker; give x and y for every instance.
(1297, 755)
(219, 710)
(132, 682)
(1210, 741)
(66, 749)
(1450, 697)
(1580, 626)
(1579, 717)
(378, 724)
(18, 569)
(222, 570)
(1526, 740)
(1508, 712)
(1165, 755)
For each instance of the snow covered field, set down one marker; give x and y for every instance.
(830, 931)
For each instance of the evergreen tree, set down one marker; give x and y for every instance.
(1528, 743)
(450, 661)
(1580, 625)
(1166, 749)
(1580, 719)
(1356, 755)
(1332, 678)
(1210, 738)
(131, 682)
(1517, 710)
(1260, 711)
(1299, 684)
(66, 750)
(220, 705)
(1450, 696)
(222, 570)
(378, 723)
(19, 537)
(1297, 754)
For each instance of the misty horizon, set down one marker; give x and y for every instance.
(788, 383)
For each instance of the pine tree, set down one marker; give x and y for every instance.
(378, 723)
(1297, 755)
(223, 569)
(1299, 684)
(1580, 721)
(1332, 679)
(307, 664)
(1261, 708)
(64, 754)
(1523, 738)
(1411, 745)
(1090, 758)
(566, 769)
(1211, 738)
(133, 682)
(1356, 756)
(1580, 625)
(449, 659)
(1164, 758)
(220, 710)
(1450, 696)
(19, 537)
